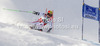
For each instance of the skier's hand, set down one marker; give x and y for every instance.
(36, 13)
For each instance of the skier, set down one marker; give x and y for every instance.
(43, 20)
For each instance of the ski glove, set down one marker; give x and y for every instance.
(36, 13)
(49, 30)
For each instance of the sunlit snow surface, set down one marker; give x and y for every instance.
(11, 35)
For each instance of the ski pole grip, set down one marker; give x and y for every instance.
(36, 13)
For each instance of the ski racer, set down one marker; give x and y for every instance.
(43, 20)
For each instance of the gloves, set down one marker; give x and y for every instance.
(36, 13)
(49, 30)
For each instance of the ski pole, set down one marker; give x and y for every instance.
(18, 10)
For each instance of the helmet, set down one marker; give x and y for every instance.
(50, 13)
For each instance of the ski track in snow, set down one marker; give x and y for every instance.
(11, 35)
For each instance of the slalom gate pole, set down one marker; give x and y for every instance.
(83, 21)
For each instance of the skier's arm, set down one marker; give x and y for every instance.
(38, 13)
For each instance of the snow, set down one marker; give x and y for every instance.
(11, 35)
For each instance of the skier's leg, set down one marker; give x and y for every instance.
(39, 27)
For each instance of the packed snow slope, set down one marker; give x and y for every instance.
(12, 35)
